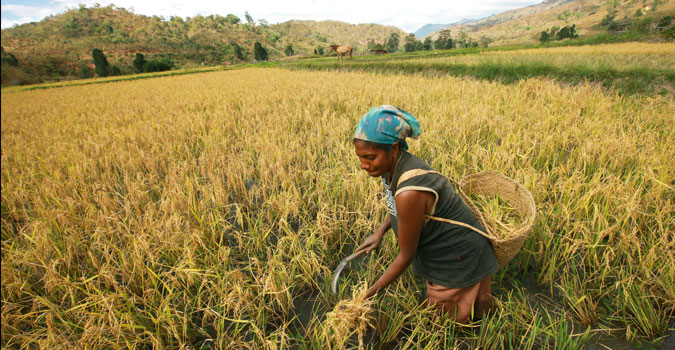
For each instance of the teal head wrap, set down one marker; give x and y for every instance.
(387, 125)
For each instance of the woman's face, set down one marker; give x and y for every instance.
(375, 161)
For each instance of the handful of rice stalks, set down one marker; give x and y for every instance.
(501, 216)
(348, 317)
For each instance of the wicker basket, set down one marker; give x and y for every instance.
(491, 184)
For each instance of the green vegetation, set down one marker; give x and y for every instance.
(259, 52)
(566, 32)
(55, 48)
(102, 65)
(444, 40)
(289, 50)
(393, 42)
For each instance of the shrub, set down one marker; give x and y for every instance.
(158, 65)
(83, 71)
(544, 37)
(139, 62)
(102, 65)
(10, 75)
(259, 52)
(237, 51)
(9, 59)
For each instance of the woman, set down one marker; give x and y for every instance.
(456, 262)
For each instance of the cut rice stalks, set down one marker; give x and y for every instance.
(348, 317)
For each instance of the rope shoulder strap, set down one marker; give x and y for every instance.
(418, 172)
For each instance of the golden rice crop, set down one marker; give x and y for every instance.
(617, 56)
(502, 217)
(348, 317)
(199, 211)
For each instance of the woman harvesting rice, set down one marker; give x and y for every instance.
(456, 262)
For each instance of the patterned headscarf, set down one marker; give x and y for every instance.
(387, 124)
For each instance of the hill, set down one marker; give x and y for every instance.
(309, 34)
(60, 46)
(523, 26)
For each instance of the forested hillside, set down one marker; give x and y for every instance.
(61, 46)
(309, 34)
(590, 17)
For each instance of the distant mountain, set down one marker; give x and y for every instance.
(523, 26)
(430, 28)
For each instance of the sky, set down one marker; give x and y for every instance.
(407, 15)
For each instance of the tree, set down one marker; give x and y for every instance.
(237, 51)
(485, 41)
(563, 33)
(319, 51)
(444, 41)
(289, 50)
(608, 20)
(410, 43)
(232, 19)
(259, 52)
(115, 71)
(544, 37)
(138, 62)
(393, 42)
(101, 63)
(427, 45)
(249, 19)
(462, 39)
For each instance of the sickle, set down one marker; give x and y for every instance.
(343, 263)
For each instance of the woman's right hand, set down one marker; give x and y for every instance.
(370, 243)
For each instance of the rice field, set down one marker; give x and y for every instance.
(208, 211)
(616, 56)
(628, 68)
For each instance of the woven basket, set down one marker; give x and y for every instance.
(492, 184)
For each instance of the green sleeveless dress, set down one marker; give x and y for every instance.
(449, 255)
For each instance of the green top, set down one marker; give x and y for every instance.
(449, 255)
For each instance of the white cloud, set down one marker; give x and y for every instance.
(19, 14)
(407, 15)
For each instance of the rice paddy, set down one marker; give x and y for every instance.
(627, 68)
(208, 211)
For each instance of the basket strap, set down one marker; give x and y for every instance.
(417, 172)
(460, 224)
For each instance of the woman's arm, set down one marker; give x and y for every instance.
(373, 241)
(411, 207)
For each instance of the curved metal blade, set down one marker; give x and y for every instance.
(343, 263)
